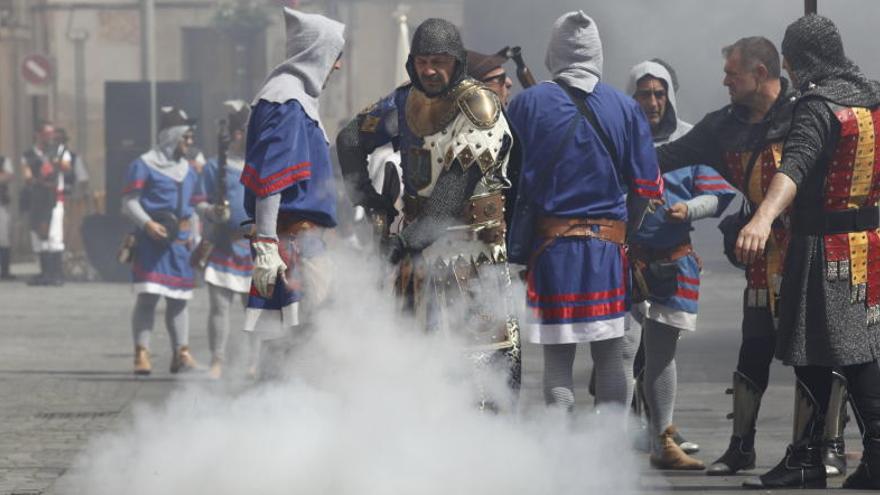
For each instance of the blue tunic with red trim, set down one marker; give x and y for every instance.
(577, 282)
(287, 154)
(681, 292)
(230, 263)
(158, 267)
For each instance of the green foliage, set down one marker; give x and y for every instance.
(241, 14)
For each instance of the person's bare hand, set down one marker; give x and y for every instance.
(656, 203)
(751, 241)
(155, 230)
(677, 213)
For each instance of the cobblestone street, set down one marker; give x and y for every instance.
(65, 377)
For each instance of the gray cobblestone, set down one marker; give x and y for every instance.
(65, 377)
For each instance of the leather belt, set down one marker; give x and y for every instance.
(484, 208)
(599, 228)
(551, 228)
(649, 254)
(818, 222)
(482, 216)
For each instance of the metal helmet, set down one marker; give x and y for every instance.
(437, 37)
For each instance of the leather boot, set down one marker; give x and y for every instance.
(142, 364)
(802, 465)
(5, 260)
(740, 453)
(184, 361)
(56, 269)
(215, 372)
(867, 475)
(671, 456)
(42, 277)
(833, 447)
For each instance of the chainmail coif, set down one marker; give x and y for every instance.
(437, 37)
(814, 51)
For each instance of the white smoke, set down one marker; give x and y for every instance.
(374, 406)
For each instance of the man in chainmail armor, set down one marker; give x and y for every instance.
(830, 295)
(743, 142)
(454, 142)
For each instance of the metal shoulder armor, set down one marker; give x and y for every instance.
(480, 105)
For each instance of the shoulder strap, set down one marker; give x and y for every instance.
(757, 149)
(587, 112)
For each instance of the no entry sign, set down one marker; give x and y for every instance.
(36, 69)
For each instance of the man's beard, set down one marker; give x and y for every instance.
(432, 94)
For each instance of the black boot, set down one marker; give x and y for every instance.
(56, 270)
(867, 475)
(41, 278)
(5, 260)
(802, 465)
(833, 447)
(740, 454)
(800, 468)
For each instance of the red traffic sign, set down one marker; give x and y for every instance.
(36, 69)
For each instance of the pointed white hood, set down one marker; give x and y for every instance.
(314, 43)
(574, 53)
(671, 128)
(161, 157)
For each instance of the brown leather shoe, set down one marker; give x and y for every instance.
(184, 362)
(215, 372)
(671, 456)
(142, 364)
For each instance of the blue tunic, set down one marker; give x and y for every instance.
(682, 292)
(287, 154)
(230, 259)
(157, 267)
(580, 280)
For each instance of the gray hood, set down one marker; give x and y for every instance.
(161, 157)
(314, 43)
(671, 128)
(574, 53)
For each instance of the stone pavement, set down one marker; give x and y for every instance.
(65, 376)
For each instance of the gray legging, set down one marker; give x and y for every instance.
(631, 340)
(611, 374)
(176, 320)
(661, 378)
(221, 300)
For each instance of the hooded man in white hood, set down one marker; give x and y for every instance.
(160, 191)
(651, 85)
(666, 268)
(288, 178)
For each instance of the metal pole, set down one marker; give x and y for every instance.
(150, 27)
(79, 62)
(17, 102)
(145, 41)
(811, 7)
(78, 37)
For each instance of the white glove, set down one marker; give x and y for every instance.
(268, 266)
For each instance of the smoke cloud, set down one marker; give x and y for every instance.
(689, 34)
(373, 405)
